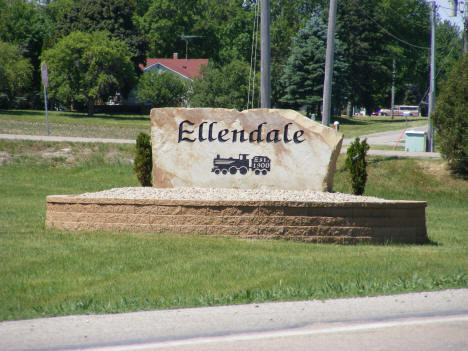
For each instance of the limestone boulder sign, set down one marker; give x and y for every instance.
(262, 148)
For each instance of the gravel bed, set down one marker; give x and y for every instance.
(223, 194)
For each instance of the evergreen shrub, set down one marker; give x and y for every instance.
(451, 118)
(143, 164)
(356, 163)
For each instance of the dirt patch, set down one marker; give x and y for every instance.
(5, 157)
(59, 154)
(436, 168)
(63, 154)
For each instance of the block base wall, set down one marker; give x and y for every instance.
(318, 222)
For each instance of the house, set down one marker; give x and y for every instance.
(184, 68)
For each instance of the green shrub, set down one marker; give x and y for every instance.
(451, 118)
(356, 163)
(161, 89)
(143, 159)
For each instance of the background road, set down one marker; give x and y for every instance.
(385, 139)
(418, 321)
(390, 139)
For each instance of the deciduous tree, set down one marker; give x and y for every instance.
(15, 71)
(84, 67)
(223, 87)
(115, 17)
(365, 53)
(22, 23)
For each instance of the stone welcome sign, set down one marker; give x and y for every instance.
(216, 148)
(263, 148)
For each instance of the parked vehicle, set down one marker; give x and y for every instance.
(401, 110)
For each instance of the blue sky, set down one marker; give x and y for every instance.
(444, 13)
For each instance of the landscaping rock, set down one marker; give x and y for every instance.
(262, 148)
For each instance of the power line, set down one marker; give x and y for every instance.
(395, 37)
(443, 63)
(399, 15)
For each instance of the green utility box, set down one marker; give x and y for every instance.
(415, 141)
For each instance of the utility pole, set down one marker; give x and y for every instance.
(465, 27)
(393, 88)
(265, 53)
(462, 7)
(327, 84)
(430, 129)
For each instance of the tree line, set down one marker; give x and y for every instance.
(94, 49)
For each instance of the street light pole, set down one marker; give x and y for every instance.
(265, 54)
(327, 84)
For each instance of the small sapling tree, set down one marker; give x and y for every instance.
(356, 164)
(143, 164)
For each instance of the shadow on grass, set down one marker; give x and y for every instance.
(78, 115)
(120, 117)
(431, 242)
(360, 121)
(21, 112)
(350, 121)
(372, 160)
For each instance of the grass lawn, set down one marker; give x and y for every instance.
(128, 126)
(51, 272)
(73, 124)
(356, 126)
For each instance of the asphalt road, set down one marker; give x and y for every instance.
(418, 321)
(385, 138)
(389, 138)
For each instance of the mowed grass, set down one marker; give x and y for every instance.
(120, 126)
(353, 127)
(50, 272)
(128, 126)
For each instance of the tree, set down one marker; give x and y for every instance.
(364, 51)
(376, 32)
(161, 89)
(115, 17)
(84, 67)
(15, 71)
(287, 17)
(405, 29)
(303, 73)
(225, 87)
(23, 24)
(449, 45)
(164, 23)
(451, 118)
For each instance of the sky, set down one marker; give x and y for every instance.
(443, 9)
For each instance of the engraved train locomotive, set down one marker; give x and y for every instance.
(258, 165)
